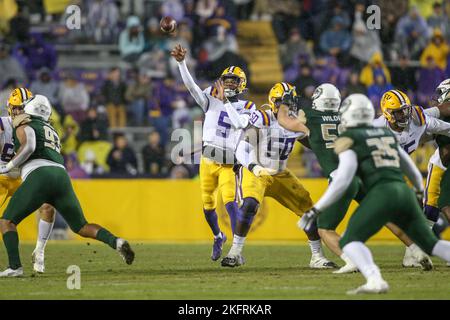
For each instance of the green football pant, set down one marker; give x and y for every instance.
(46, 185)
(330, 218)
(390, 201)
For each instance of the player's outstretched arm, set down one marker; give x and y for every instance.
(239, 121)
(436, 126)
(179, 54)
(290, 123)
(410, 169)
(27, 139)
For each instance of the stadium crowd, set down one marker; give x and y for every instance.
(95, 108)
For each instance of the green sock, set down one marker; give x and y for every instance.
(107, 237)
(11, 241)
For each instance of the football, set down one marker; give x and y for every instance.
(168, 24)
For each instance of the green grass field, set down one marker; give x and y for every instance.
(184, 271)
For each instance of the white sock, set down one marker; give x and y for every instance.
(238, 245)
(45, 229)
(346, 259)
(442, 250)
(316, 246)
(361, 256)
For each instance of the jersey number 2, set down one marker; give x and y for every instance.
(51, 139)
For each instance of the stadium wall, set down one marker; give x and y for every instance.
(171, 210)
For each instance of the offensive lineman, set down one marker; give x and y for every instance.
(219, 143)
(264, 152)
(45, 180)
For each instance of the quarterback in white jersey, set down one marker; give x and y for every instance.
(264, 151)
(219, 142)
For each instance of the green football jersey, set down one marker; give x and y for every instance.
(48, 145)
(324, 129)
(377, 152)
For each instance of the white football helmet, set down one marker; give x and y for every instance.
(357, 110)
(326, 97)
(38, 106)
(443, 90)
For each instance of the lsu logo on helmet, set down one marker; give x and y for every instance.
(241, 79)
(277, 92)
(396, 107)
(16, 99)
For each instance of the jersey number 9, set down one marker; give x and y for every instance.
(52, 139)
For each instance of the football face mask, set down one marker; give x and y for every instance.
(401, 116)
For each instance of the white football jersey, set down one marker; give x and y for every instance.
(414, 134)
(274, 142)
(217, 128)
(6, 140)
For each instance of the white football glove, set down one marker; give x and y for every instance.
(261, 171)
(307, 220)
(5, 168)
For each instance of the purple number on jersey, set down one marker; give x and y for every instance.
(7, 152)
(224, 127)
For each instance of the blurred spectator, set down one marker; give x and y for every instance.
(293, 47)
(243, 8)
(179, 172)
(73, 168)
(154, 39)
(19, 26)
(9, 86)
(327, 70)
(261, 11)
(102, 21)
(181, 115)
(205, 9)
(138, 94)
(372, 69)
(69, 138)
(437, 49)
(153, 155)
(387, 36)
(377, 89)
(90, 165)
(94, 127)
(172, 8)
(36, 54)
(438, 20)
(354, 86)
(365, 42)
(412, 33)
(131, 40)
(304, 80)
(113, 91)
(45, 85)
(73, 97)
(286, 14)
(403, 76)
(121, 159)
(10, 67)
(429, 78)
(336, 41)
(155, 63)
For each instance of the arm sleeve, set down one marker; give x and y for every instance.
(193, 88)
(436, 126)
(433, 112)
(27, 149)
(245, 151)
(345, 172)
(410, 169)
(239, 121)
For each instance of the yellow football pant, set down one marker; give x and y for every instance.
(433, 186)
(7, 188)
(284, 187)
(214, 176)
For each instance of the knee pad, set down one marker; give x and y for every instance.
(208, 202)
(250, 206)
